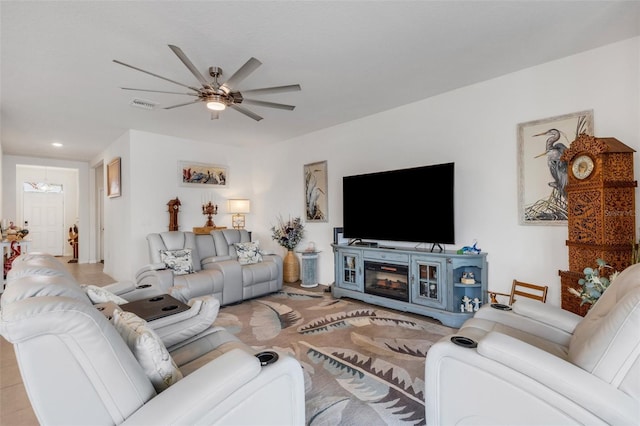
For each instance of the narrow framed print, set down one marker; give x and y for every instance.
(113, 178)
(315, 192)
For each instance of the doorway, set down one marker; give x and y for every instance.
(47, 198)
(44, 213)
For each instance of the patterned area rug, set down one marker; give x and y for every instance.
(363, 365)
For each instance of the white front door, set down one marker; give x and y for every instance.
(45, 213)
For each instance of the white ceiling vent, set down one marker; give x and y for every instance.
(143, 103)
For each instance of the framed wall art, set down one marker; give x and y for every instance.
(315, 192)
(542, 176)
(113, 178)
(201, 174)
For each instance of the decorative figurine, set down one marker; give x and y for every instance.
(467, 278)
(467, 304)
(476, 304)
(470, 249)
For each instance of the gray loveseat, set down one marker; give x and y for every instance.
(216, 269)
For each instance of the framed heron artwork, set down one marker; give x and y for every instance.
(542, 175)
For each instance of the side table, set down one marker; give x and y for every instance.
(309, 268)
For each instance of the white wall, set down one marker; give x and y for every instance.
(476, 128)
(150, 178)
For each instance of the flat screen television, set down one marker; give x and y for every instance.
(413, 204)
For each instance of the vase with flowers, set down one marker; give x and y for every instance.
(594, 283)
(288, 234)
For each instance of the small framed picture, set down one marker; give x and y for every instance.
(338, 236)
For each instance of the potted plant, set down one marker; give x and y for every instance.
(288, 234)
(594, 283)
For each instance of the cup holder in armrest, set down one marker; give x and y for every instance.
(501, 307)
(267, 357)
(170, 308)
(156, 299)
(465, 342)
(143, 286)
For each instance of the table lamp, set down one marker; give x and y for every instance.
(239, 207)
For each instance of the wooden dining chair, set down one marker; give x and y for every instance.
(519, 288)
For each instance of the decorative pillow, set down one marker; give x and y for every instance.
(179, 261)
(100, 295)
(248, 253)
(148, 349)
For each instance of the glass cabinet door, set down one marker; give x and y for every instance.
(350, 270)
(427, 286)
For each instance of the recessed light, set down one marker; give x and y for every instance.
(56, 144)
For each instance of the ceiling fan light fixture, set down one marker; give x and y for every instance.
(216, 103)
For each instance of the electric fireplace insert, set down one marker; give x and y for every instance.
(386, 280)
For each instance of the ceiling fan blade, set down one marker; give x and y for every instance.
(267, 104)
(276, 89)
(250, 66)
(184, 104)
(190, 65)
(246, 112)
(159, 91)
(155, 75)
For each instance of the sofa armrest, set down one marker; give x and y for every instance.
(536, 318)
(561, 377)
(547, 314)
(151, 267)
(160, 278)
(179, 327)
(121, 287)
(232, 277)
(132, 291)
(231, 389)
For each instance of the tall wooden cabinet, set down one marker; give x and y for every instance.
(601, 209)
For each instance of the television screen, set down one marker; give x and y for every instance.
(414, 204)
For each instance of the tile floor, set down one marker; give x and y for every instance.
(15, 409)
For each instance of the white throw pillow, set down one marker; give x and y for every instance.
(148, 349)
(100, 295)
(179, 261)
(248, 253)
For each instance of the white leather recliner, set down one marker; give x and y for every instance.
(78, 370)
(541, 365)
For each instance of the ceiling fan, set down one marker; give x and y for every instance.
(220, 96)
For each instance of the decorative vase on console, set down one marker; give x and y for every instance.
(288, 234)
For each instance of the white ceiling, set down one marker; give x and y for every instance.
(352, 58)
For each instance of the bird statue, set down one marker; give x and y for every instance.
(558, 168)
